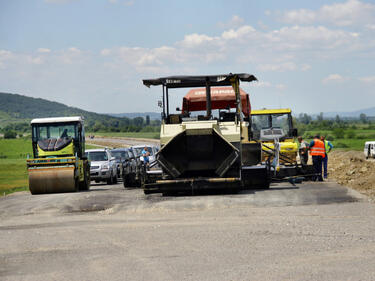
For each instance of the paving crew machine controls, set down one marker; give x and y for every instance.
(59, 163)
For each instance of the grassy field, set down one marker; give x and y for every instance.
(143, 135)
(13, 173)
(353, 139)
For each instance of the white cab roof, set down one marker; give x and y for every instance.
(96, 150)
(57, 120)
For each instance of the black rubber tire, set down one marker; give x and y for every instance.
(85, 184)
(110, 180)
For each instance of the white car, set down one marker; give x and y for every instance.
(103, 165)
(369, 150)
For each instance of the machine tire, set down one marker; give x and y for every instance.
(127, 181)
(77, 185)
(85, 184)
(110, 180)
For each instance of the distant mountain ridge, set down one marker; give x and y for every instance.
(19, 108)
(370, 112)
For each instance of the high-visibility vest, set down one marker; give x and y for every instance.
(318, 148)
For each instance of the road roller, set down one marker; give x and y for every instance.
(208, 143)
(274, 128)
(59, 163)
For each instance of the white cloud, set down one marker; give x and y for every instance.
(5, 56)
(368, 79)
(281, 86)
(238, 33)
(43, 50)
(234, 22)
(333, 78)
(35, 60)
(305, 67)
(351, 12)
(105, 52)
(287, 66)
(74, 50)
(193, 40)
(262, 84)
(301, 16)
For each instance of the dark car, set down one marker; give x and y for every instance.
(128, 165)
(135, 178)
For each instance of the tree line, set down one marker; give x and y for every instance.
(137, 124)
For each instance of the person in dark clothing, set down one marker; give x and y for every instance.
(303, 150)
(64, 134)
(318, 152)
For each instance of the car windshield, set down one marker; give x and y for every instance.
(97, 156)
(49, 131)
(138, 150)
(267, 121)
(119, 154)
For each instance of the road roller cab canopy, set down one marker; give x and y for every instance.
(57, 136)
(206, 81)
(268, 124)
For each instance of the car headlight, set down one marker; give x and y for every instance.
(105, 167)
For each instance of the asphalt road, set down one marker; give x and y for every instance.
(312, 231)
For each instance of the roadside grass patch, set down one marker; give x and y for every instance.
(13, 172)
(13, 176)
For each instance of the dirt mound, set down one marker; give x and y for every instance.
(350, 168)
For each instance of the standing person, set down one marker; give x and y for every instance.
(317, 152)
(146, 154)
(328, 147)
(303, 150)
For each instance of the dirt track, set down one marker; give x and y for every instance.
(120, 142)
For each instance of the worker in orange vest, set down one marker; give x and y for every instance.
(318, 152)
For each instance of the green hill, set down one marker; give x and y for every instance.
(16, 108)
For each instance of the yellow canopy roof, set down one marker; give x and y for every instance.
(271, 111)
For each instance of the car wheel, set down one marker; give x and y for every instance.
(110, 179)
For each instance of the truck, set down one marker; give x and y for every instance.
(59, 163)
(207, 151)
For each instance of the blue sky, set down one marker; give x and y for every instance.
(310, 56)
